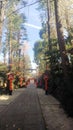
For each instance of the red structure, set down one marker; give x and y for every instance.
(10, 80)
(21, 81)
(36, 82)
(46, 78)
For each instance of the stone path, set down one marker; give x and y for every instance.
(23, 112)
(54, 116)
(31, 109)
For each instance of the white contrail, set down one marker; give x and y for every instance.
(33, 26)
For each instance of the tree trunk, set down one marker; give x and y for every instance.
(48, 23)
(61, 42)
(10, 50)
(0, 22)
(48, 26)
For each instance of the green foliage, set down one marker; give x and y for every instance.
(3, 67)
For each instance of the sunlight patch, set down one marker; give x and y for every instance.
(4, 97)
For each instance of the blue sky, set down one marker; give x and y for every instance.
(33, 26)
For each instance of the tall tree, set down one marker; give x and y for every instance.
(13, 22)
(61, 42)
